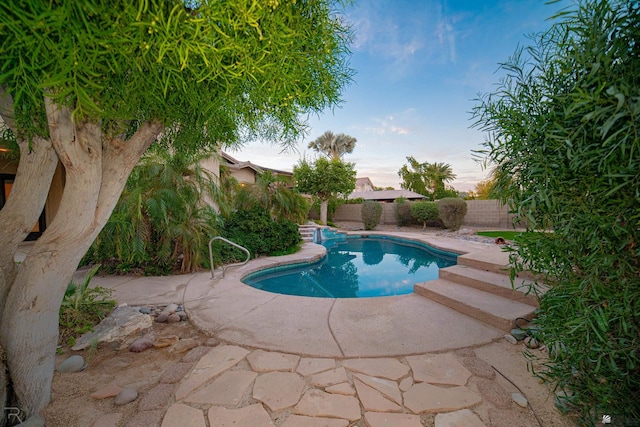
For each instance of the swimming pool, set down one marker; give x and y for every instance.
(357, 267)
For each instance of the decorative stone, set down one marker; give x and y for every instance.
(185, 345)
(145, 310)
(461, 418)
(342, 388)
(385, 419)
(182, 315)
(438, 369)
(373, 400)
(511, 339)
(265, 361)
(125, 396)
(424, 397)
(312, 365)
(519, 399)
(183, 416)
(378, 367)
(173, 318)
(227, 389)
(328, 378)
(162, 342)
(406, 383)
(317, 403)
(122, 323)
(253, 415)
(140, 345)
(531, 342)
(278, 390)
(72, 364)
(519, 334)
(108, 391)
(162, 317)
(171, 308)
(302, 421)
(388, 388)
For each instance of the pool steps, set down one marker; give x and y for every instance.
(307, 231)
(479, 287)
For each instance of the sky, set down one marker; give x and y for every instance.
(420, 66)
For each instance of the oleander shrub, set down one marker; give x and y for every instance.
(371, 213)
(564, 135)
(403, 211)
(425, 212)
(452, 212)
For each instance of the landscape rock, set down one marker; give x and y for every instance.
(519, 334)
(122, 323)
(145, 310)
(125, 396)
(182, 315)
(140, 345)
(519, 399)
(162, 342)
(173, 318)
(72, 364)
(531, 342)
(185, 345)
(170, 309)
(108, 391)
(162, 317)
(511, 339)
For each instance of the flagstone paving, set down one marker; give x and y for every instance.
(234, 386)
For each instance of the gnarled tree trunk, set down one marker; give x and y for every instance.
(96, 171)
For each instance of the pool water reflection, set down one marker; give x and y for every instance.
(357, 268)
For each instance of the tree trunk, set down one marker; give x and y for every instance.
(324, 207)
(96, 172)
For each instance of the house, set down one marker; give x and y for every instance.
(364, 184)
(246, 172)
(386, 195)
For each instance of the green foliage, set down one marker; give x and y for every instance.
(452, 212)
(427, 178)
(124, 62)
(259, 233)
(371, 212)
(563, 130)
(333, 146)
(160, 223)
(83, 307)
(355, 201)
(403, 211)
(272, 194)
(324, 178)
(425, 212)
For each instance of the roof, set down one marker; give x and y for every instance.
(237, 164)
(363, 180)
(385, 195)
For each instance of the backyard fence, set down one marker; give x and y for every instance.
(480, 213)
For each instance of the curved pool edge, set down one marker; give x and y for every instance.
(324, 327)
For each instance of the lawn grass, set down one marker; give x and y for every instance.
(507, 235)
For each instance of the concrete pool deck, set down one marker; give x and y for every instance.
(318, 327)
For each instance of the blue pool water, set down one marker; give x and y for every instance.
(356, 268)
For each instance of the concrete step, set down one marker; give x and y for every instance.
(494, 261)
(307, 232)
(488, 281)
(489, 308)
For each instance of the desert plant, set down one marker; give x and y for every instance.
(371, 212)
(425, 212)
(452, 212)
(563, 131)
(83, 307)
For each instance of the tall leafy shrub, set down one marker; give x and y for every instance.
(403, 211)
(563, 131)
(452, 212)
(425, 212)
(371, 213)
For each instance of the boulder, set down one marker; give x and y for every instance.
(121, 324)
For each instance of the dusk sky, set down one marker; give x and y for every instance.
(419, 66)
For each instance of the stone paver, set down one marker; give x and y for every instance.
(313, 365)
(461, 418)
(317, 403)
(424, 397)
(278, 390)
(302, 421)
(438, 369)
(328, 378)
(373, 400)
(382, 419)
(183, 416)
(249, 416)
(215, 361)
(381, 367)
(342, 388)
(108, 420)
(265, 361)
(388, 388)
(227, 389)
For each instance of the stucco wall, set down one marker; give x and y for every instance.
(480, 213)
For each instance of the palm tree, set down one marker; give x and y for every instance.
(438, 174)
(334, 146)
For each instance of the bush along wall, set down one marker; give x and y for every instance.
(425, 212)
(452, 212)
(371, 212)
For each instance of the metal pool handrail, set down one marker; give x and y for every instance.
(242, 248)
